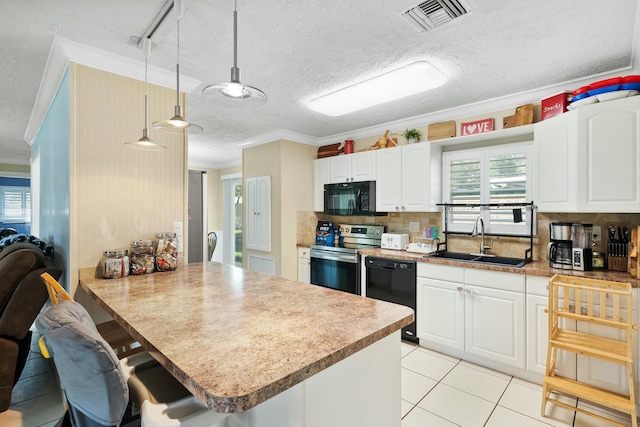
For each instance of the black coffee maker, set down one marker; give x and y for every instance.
(559, 251)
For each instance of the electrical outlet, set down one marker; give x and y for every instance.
(414, 226)
(597, 233)
(177, 228)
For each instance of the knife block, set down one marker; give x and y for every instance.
(617, 263)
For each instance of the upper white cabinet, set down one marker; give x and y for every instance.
(320, 178)
(408, 178)
(588, 160)
(258, 213)
(352, 167)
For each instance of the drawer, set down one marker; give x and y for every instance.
(440, 272)
(494, 279)
(538, 285)
(303, 252)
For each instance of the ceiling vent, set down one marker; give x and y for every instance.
(433, 13)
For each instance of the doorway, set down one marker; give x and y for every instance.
(197, 215)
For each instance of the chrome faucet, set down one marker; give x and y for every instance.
(474, 233)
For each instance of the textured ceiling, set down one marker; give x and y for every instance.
(298, 50)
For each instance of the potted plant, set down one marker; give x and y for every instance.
(412, 135)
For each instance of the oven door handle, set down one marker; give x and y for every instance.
(352, 259)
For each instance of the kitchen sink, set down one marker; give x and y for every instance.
(480, 259)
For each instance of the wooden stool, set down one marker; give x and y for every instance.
(585, 300)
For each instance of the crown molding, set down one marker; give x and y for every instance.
(63, 51)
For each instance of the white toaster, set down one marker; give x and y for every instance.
(394, 241)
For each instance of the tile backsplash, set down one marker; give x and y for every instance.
(506, 246)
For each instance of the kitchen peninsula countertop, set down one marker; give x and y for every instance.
(535, 268)
(236, 338)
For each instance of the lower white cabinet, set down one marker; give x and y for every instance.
(304, 265)
(602, 374)
(440, 312)
(494, 325)
(475, 311)
(538, 331)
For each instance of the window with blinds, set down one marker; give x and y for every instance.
(488, 175)
(15, 204)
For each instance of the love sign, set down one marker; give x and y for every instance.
(478, 126)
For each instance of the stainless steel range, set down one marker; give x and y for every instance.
(338, 267)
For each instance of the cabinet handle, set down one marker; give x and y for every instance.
(469, 291)
(460, 289)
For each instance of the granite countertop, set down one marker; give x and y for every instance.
(236, 338)
(535, 268)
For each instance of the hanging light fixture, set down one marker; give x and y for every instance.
(145, 143)
(234, 89)
(177, 123)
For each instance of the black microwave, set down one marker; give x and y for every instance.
(351, 198)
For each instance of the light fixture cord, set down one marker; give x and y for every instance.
(235, 34)
(178, 67)
(146, 46)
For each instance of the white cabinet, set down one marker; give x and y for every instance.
(304, 265)
(538, 331)
(352, 167)
(588, 160)
(479, 312)
(440, 313)
(555, 144)
(494, 325)
(408, 178)
(258, 213)
(320, 178)
(602, 374)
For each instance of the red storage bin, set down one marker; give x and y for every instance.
(554, 105)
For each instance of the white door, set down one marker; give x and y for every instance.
(418, 187)
(599, 373)
(440, 312)
(555, 143)
(363, 166)
(494, 325)
(340, 168)
(263, 220)
(250, 229)
(538, 338)
(389, 180)
(610, 147)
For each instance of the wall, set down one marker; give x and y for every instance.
(98, 194)
(53, 143)
(297, 195)
(120, 194)
(264, 160)
(14, 170)
(507, 246)
(290, 166)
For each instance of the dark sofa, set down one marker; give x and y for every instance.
(22, 296)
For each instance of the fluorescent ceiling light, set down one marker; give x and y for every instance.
(408, 80)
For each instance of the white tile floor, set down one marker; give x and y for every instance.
(441, 391)
(437, 391)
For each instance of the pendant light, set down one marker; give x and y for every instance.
(177, 123)
(145, 143)
(234, 89)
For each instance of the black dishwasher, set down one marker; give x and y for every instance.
(393, 280)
